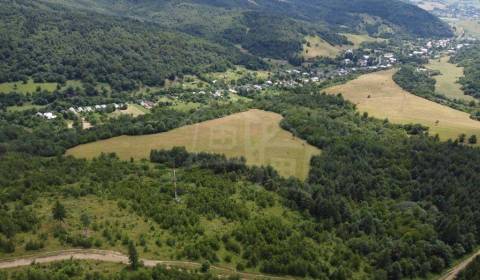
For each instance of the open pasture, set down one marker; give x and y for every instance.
(447, 83)
(317, 47)
(381, 97)
(255, 135)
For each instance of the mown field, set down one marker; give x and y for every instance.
(447, 83)
(316, 46)
(381, 97)
(254, 134)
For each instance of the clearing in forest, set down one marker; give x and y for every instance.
(470, 27)
(447, 83)
(317, 47)
(377, 94)
(29, 87)
(254, 134)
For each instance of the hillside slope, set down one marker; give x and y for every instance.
(265, 27)
(51, 43)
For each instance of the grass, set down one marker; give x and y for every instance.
(103, 214)
(24, 107)
(447, 82)
(471, 27)
(106, 214)
(381, 97)
(317, 47)
(254, 134)
(236, 74)
(133, 109)
(29, 87)
(431, 5)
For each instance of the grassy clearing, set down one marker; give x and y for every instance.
(24, 107)
(133, 109)
(317, 47)
(254, 134)
(470, 27)
(447, 81)
(104, 214)
(29, 87)
(381, 97)
(431, 5)
(236, 74)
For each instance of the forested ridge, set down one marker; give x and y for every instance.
(49, 43)
(275, 29)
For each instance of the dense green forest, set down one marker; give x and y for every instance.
(55, 44)
(274, 29)
(332, 13)
(389, 200)
(469, 58)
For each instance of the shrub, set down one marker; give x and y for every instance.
(33, 245)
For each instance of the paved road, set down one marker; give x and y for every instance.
(452, 273)
(115, 257)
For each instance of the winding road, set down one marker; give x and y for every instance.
(114, 257)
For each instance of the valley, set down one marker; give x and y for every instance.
(220, 139)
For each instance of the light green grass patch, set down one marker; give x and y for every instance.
(24, 107)
(29, 87)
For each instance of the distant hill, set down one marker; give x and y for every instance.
(265, 27)
(129, 42)
(49, 42)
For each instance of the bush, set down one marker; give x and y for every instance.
(33, 245)
(7, 246)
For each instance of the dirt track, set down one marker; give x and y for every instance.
(115, 257)
(452, 273)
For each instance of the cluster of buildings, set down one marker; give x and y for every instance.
(434, 47)
(94, 108)
(146, 104)
(47, 115)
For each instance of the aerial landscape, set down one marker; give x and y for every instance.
(239, 139)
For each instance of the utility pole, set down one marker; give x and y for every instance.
(175, 185)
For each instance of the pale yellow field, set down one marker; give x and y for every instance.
(471, 27)
(447, 82)
(319, 47)
(388, 100)
(254, 134)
